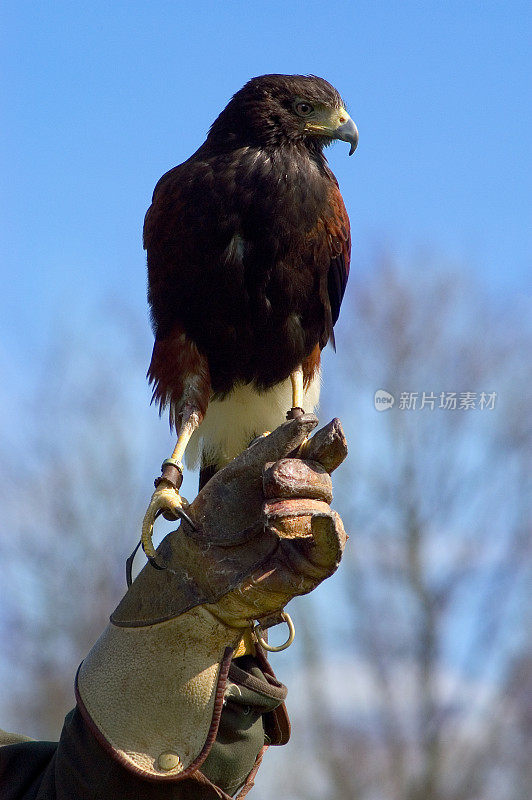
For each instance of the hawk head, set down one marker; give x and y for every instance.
(275, 110)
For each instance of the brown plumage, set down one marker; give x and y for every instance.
(248, 256)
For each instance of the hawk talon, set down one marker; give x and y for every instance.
(182, 514)
(155, 564)
(167, 501)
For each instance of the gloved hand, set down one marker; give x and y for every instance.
(152, 687)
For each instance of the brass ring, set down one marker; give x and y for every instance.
(257, 630)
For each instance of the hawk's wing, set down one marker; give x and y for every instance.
(187, 230)
(335, 236)
(340, 250)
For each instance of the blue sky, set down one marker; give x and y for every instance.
(100, 99)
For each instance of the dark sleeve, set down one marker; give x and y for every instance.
(78, 768)
(22, 767)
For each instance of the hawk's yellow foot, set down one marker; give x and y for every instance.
(167, 501)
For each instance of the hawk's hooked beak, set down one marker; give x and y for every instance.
(335, 124)
(347, 132)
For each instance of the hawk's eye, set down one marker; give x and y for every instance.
(303, 109)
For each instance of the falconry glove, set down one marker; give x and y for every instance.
(162, 687)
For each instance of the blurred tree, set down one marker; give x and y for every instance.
(77, 478)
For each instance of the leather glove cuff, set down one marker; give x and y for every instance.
(153, 696)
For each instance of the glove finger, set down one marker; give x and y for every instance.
(292, 477)
(291, 519)
(329, 540)
(328, 446)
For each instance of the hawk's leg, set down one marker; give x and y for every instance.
(296, 377)
(180, 375)
(301, 379)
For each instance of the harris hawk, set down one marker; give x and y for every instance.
(248, 249)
